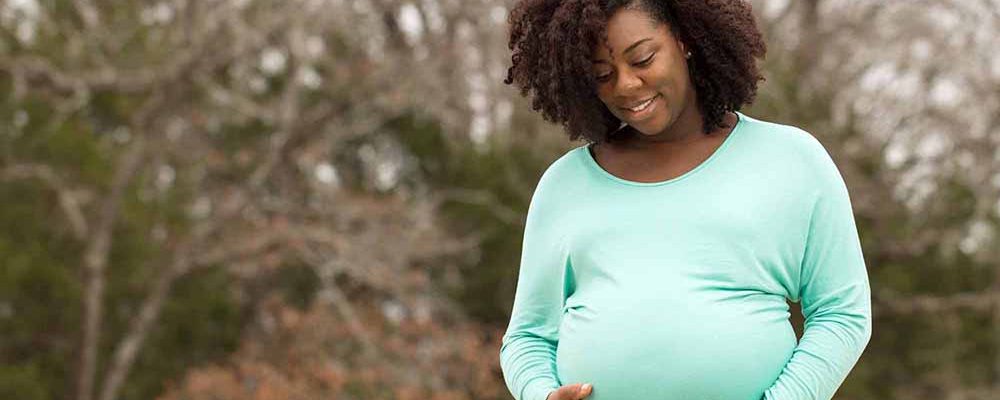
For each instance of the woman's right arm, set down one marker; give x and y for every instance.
(528, 352)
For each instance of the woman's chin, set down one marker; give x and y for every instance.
(648, 130)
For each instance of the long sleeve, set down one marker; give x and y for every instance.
(835, 295)
(528, 350)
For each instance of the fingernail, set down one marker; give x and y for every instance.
(585, 387)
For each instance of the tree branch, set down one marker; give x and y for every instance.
(68, 202)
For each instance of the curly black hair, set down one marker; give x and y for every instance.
(552, 41)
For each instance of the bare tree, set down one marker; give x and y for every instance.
(242, 64)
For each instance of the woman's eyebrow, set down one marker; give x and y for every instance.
(636, 44)
(627, 49)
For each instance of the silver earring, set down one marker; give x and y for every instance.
(688, 55)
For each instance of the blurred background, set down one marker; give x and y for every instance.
(304, 199)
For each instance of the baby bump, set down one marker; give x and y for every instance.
(674, 351)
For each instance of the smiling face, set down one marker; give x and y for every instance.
(643, 77)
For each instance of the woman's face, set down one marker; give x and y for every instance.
(643, 77)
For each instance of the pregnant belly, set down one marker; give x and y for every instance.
(693, 348)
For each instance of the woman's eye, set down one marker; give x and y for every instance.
(603, 77)
(646, 61)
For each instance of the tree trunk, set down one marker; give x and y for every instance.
(95, 260)
(128, 348)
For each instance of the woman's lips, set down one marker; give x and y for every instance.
(645, 109)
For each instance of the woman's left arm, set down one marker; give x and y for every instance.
(835, 295)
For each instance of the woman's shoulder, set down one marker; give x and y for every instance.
(785, 141)
(559, 175)
(792, 149)
(775, 134)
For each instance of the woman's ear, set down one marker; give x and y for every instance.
(684, 49)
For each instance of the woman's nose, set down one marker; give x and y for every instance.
(627, 82)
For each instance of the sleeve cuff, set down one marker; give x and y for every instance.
(538, 392)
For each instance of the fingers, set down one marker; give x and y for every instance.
(575, 391)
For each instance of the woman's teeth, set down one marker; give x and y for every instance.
(642, 106)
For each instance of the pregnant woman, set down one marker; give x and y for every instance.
(658, 257)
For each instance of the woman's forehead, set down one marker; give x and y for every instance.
(628, 28)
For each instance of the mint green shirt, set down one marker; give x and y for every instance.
(677, 289)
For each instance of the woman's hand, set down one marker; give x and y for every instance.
(575, 391)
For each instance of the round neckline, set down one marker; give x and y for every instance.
(704, 164)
